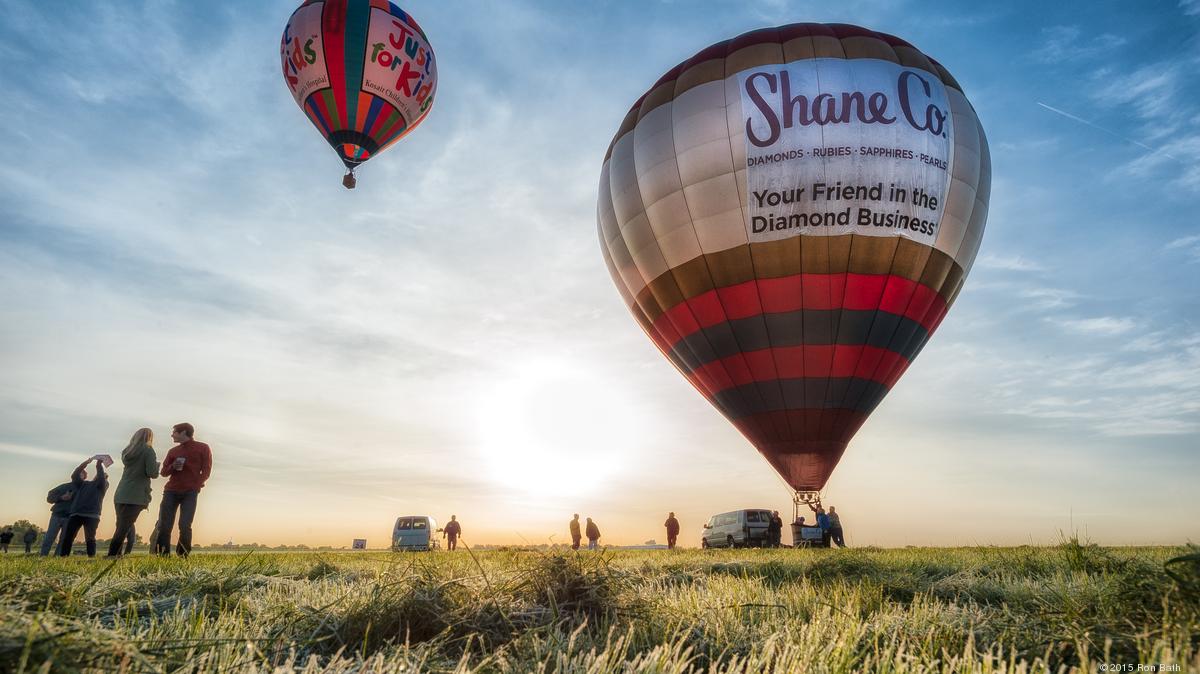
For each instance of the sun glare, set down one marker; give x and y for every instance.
(554, 428)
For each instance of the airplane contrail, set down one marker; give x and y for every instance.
(1108, 131)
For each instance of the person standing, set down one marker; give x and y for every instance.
(823, 522)
(835, 528)
(85, 508)
(672, 526)
(28, 539)
(6, 537)
(775, 530)
(187, 467)
(575, 534)
(132, 495)
(451, 532)
(60, 511)
(593, 534)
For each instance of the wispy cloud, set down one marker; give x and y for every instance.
(1046, 298)
(1073, 43)
(1155, 96)
(1007, 262)
(1103, 325)
(1190, 245)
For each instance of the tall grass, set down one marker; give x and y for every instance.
(1071, 607)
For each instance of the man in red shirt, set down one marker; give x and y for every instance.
(187, 467)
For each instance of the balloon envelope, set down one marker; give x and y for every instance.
(361, 70)
(789, 214)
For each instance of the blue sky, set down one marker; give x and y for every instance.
(175, 245)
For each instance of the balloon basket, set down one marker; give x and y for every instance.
(349, 181)
(804, 502)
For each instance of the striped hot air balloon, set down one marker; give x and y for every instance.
(363, 72)
(789, 214)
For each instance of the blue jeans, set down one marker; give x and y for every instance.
(185, 502)
(53, 529)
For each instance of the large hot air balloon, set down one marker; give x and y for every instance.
(363, 72)
(789, 214)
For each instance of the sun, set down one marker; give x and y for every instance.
(553, 427)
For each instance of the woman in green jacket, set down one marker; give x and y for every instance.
(133, 491)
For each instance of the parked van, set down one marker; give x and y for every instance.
(737, 529)
(414, 532)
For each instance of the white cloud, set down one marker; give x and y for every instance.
(1007, 262)
(1046, 298)
(1103, 325)
(1190, 245)
(1072, 43)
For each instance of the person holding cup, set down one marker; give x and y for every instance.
(186, 467)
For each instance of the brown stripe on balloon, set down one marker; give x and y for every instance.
(703, 71)
(912, 57)
(860, 47)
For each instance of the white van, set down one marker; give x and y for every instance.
(737, 529)
(414, 532)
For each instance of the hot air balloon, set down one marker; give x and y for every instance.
(363, 72)
(789, 214)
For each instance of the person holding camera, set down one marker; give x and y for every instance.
(85, 507)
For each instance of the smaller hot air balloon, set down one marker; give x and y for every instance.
(363, 72)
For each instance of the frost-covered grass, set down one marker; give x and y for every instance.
(1066, 607)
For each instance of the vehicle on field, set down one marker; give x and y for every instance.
(414, 532)
(736, 529)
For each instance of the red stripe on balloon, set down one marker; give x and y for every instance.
(333, 35)
(884, 292)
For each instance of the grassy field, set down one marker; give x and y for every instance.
(1064, 608)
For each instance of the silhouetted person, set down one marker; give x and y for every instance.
(132, 495)
(187, 466)
(451, 532)
(85, 508)
(60, 511)
(672, 526)
(593, 534)
(6, 537)
(28, 539)
(575, 535)
(835, 528)
(775, 530)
